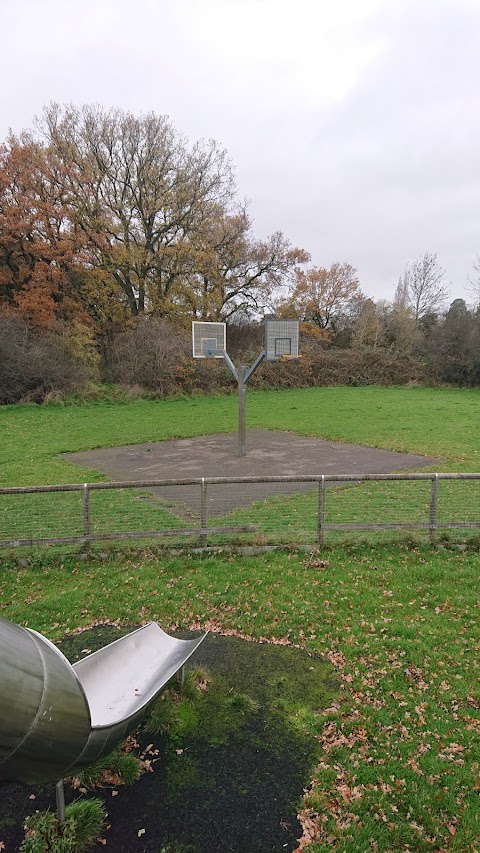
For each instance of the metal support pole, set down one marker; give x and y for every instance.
(242, 375)
(242, 411)
(432, 527)
(249, 370)
(60, 797)
(228, 361)
(321, 509)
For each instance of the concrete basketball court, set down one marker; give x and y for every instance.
(269, 453)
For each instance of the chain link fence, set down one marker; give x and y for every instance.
(253, 511)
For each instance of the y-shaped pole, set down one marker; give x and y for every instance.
(242, 375)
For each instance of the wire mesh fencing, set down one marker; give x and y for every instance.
(249, 510)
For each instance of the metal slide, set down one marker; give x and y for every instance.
(56, 718)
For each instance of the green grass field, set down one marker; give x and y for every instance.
(398, 750)
(435, 422)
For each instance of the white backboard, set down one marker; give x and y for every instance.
(209, 340)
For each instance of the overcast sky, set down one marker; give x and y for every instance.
(354, 125)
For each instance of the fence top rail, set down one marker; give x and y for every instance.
(196, 481)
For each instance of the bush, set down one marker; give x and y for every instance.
(84, 820)
(340, 367)
(154, 358)
(154, 355)
(35, 363)
(157, 356)
(244, 338)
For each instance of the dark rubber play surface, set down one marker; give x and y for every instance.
(269, 453)
(228, 773)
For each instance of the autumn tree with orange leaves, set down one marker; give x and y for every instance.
(161, 216)
(107, 216)
(38, 241)
(321, 297)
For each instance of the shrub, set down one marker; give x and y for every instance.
(84, 820)
(157, 355)
(154, 355)
(35, 363)
(334, 366)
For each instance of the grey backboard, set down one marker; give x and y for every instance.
(209, 340)
(281, 339)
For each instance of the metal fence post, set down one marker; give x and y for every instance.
(86, 514)
(203, 510)
(432, 527)
(321, 509)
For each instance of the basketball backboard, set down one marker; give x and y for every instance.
(281, 339)
(209, 340)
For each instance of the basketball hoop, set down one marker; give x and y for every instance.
(281, 344)
(281, 339)
(209, 340)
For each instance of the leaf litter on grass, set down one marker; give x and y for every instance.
(398, 748)
(401, 749)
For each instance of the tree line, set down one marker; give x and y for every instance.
(115, 230)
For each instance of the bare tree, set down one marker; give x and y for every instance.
(401, 298)
(367, 327)
(474, 280)
(423, 282)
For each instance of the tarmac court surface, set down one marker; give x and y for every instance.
(269, 453)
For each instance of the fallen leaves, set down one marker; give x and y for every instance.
(311, 825)
(453, 753)
(391, 713)
(332, 737)
(414, 674)
(315, 561)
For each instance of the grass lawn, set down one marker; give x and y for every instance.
(398, 751)
(437, 422)
(397, 763)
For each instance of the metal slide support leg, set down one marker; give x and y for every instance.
(60, 795)
(242, 411)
